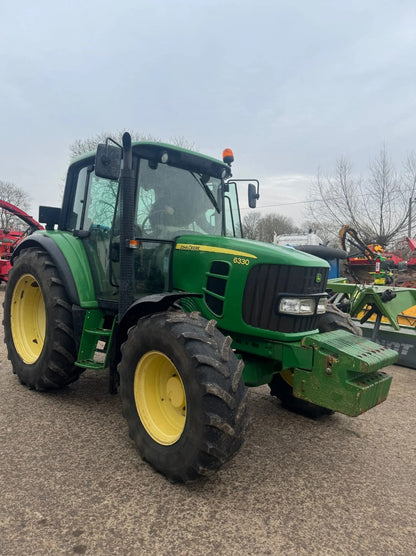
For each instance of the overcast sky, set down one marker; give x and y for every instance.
(288, 85)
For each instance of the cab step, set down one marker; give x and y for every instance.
(95, 341)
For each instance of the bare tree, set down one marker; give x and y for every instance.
(180, 141)
(15, 195)
(250, 225)
(376, 207)
(82, 146)
(329, 234)
(272, 224)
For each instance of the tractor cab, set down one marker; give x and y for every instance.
(173, 192)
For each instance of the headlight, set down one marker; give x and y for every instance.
(302, 305)
(297, 306)
(322, 305)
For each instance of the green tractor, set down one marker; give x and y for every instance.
(144, 271)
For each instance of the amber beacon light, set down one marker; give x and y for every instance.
(228, 156)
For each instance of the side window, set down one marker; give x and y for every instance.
(101, 203)
(79, 199)
(232, 212)
(95, 201)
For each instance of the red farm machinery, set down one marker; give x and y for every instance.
(10, 238)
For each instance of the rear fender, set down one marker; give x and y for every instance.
(69, 257)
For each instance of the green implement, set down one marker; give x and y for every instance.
(386, 314)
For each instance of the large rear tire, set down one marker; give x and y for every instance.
(38, 326)
(182, 394)
(281, 385)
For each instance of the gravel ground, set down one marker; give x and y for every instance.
(71, 481)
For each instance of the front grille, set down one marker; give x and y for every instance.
(266, 282)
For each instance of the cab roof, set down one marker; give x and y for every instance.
(155, 146)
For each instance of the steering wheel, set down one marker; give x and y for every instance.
(147, 229)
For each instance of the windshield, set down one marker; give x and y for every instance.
(172, 201)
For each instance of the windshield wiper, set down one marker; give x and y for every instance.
(207, 191)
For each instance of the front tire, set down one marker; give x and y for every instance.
(38, 327)
(182, 394)
(281, 385)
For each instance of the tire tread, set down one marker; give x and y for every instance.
(55, 366)
(222, 393)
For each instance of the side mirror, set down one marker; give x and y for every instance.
(252, 195)
(49, 216)
(108, 162)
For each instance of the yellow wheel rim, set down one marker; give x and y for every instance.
(160, 398)
(28, 319)
(287, 376)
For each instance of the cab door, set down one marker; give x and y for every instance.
(92, 220)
